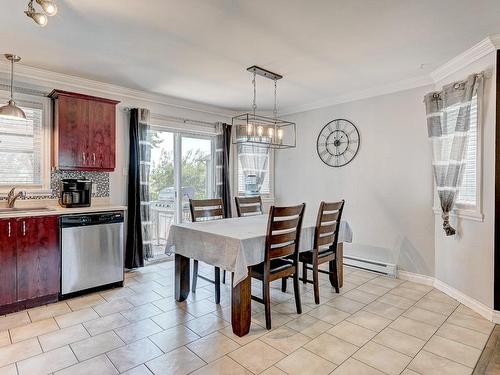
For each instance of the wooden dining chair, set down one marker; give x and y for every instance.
(281, 256)
(325, 246)
(204, 210)
(249, 206)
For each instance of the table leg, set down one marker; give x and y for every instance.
(339, 258)
(181, 277)
(240, 306)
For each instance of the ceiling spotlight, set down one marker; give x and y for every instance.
(49, 9)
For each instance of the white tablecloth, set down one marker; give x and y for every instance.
(236, 243)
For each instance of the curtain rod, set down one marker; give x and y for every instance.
(177, 119)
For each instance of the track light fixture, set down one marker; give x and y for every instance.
(49, 8)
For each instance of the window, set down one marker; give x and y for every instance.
(257, 161)
(467, 194)
(468, 204)
(23, 147)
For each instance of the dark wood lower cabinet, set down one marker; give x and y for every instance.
(37, 257)
(8, 291)
(30, 262)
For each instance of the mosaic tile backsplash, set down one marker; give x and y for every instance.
(100, 184)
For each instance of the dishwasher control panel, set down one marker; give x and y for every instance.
(68, 221)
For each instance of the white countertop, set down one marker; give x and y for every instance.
(56, 209)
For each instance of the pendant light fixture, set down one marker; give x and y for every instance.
(264, 131)
(11, 110)
(49, 8)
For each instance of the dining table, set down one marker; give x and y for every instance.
(234, 244)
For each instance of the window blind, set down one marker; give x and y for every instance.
(21, 149)
(467, 192)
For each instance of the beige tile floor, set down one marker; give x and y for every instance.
(376, 325)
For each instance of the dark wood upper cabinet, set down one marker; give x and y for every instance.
(84, 132)
(8, 292)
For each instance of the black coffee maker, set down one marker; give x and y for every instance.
(75, 193)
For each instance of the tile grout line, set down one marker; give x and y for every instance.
(360, 347)
(422, 349)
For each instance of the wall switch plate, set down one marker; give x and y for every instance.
(94, 188)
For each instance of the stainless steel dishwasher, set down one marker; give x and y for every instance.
(92, 251)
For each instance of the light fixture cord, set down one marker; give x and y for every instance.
(254, 82)
(275, 109)
(12, 79)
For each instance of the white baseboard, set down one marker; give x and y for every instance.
(478, 307)
(416, 278)
(471, 303)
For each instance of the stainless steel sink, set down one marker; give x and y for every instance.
(24, 209)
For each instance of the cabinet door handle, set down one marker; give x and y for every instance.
(10, 229)
(24, 228)
(93, 156)
(84, 157)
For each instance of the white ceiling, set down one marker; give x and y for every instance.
(199, 49)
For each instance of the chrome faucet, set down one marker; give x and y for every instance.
(11, 197)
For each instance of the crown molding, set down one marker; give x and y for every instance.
(476, 52)
(47, 79)
(390, 88)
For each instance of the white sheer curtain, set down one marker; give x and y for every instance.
(448, 124)
(254, 160)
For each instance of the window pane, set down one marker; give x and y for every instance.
(253, 161)
(20, 149)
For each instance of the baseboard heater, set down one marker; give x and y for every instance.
(387, 269)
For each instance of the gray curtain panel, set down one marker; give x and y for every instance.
(222, 173)
(448, 122)
(144, 172)
(138, 245)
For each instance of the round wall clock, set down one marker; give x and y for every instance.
(338, 143)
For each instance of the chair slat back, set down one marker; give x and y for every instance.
(283, 231)
(206, 209)
(327, 225)
(249, 206)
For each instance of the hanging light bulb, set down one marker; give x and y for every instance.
(48, 6)
(249, 129)
(11, 110)
(270, 132)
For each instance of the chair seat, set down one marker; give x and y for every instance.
(277, 266)
(324, 255)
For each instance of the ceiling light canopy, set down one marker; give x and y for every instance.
(262, 131)
(11, 110)
(49, 8)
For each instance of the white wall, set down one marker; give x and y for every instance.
(466, 261)
(387, 187)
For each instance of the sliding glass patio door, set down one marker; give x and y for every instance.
(182, 168)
